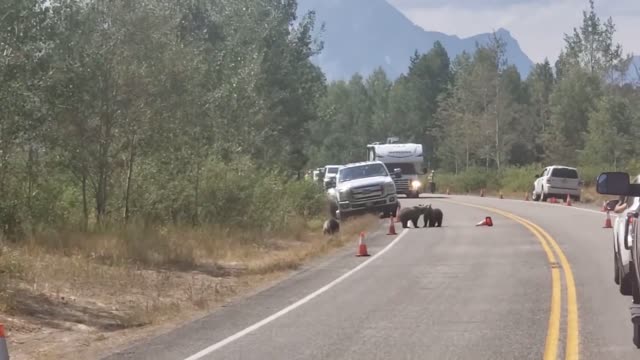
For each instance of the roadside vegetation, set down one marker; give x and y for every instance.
(152, 152)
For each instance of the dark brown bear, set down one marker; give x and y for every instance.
(432, 216)
(427, 212)
(410, 214)
(330, 227)
(436, 218)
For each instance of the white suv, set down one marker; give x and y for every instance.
(557, 181)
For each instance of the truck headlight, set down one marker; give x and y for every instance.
(389, 188)
(344, 194)
(416, 184)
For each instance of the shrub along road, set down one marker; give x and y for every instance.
(539, 284)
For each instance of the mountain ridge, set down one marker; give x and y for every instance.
(362, 35)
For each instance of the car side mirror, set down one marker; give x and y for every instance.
(613, 183)
(331, 183)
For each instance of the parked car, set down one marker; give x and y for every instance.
(626, 236)
(557, 181)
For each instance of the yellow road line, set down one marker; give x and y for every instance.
(548, 242)
(572, 351)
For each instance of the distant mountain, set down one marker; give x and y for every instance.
(634, 70)
(361, 35)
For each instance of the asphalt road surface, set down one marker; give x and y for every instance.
(536, 285)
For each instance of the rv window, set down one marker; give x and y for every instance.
(407, 168)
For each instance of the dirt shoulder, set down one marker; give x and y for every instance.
(76, 306)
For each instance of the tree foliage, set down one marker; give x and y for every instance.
(205, 110)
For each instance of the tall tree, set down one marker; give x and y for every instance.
(592, 47)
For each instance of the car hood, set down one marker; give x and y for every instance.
(364, 182)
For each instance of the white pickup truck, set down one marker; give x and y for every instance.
(363, 187)
(626, 240)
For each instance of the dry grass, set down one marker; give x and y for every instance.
(98, 291)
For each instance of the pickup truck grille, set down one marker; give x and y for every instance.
(367, 192)
(402, 185)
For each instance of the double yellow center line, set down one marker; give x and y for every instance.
(553, 332)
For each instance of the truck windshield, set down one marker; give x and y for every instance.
(361, 172)
(407, 168)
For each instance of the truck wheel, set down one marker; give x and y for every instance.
(635, 290)
(333, 210)
(626, 284)
(535, 196)
(636, 301)
(616, 268)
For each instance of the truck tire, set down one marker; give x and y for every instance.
(636, 300)
(333, 210)
(635, 289)
(543, 197)
(616, 268)
(535, 196)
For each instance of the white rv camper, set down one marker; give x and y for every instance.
(406, 157)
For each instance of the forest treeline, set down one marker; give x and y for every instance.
(207, 112)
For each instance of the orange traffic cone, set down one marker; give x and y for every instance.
(362, 247)
(486, 222)
(607, 222)
(568, 200)
(392, 228)
(4, 350)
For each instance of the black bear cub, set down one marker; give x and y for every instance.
(432, 216)
(330, 227)
(410, 214)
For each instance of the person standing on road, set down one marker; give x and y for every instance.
(431, 181)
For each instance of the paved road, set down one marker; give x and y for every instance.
(457, 292)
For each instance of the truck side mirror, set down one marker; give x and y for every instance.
(613, 183)
(397, 173)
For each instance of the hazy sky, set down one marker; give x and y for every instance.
(538, 25)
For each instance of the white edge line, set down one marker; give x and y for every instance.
(293, 306)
